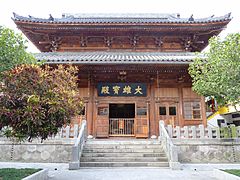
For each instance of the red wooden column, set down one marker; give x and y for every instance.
(90, 105)
(203, 111)
(94, 109)
(180, 107)
(152, 116)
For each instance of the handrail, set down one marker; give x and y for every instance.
(78, 147)
(81, 133)
(170, 149)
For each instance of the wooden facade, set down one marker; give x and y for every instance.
(153, 50)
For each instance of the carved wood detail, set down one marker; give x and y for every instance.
(191, 42)
(108, 41)
(158, 42)
(134, 41)
(52, 42)
(83, 41)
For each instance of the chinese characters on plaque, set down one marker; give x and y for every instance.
(122, 89)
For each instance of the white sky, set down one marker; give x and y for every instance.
(42, 9)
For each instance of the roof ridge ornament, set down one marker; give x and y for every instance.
(15, 15)
(191, 18)
(51, 17)
(229, 15)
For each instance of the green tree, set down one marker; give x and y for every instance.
(217, 74)
(37, 101)
(13, 50)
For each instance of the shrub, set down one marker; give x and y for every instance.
(36, 102)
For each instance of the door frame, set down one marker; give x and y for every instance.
(168, 118)
(134, 119)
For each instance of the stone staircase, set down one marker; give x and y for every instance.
(123, 153)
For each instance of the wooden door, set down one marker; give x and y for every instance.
(168, 112)
(141, 120)
(102, 120)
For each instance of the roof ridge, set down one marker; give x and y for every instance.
(120, 15)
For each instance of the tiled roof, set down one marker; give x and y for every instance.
(116, 57)
(120, 18)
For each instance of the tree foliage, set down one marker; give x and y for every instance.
(37, 101)
(218, 74)
(13, 50)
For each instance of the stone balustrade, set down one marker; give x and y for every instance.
(69, 131)
(199, 144)
(55, 149)
(202, 132)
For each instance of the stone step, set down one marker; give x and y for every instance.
(122, 150)
(119, 146)
(124, 164)
(123, 153)
(124, 159)
(123, 142)
(136, 154)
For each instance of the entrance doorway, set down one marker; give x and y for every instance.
(121, 119)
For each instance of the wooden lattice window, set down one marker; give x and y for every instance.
(162, 110)
(141, 111)
(172, 111)
(192, 110)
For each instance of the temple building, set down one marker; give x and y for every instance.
(133, 68)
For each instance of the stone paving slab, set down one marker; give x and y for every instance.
(59, 171)
(210, 167)
(131, 174)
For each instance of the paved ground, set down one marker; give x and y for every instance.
(131, 174)
(59, 171)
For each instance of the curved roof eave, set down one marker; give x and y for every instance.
(102, 58)
(143, 19)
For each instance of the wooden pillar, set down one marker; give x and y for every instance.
(203, 111)
(90, 107)
(94, 110)
(152, 117)
(180, 111)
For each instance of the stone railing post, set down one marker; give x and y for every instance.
(75, 130)
(238, 132)
(185, 132)
(210, 135)
(202, 131)
(67, 131)
(178, 132)
(218, 133)
(194, 134)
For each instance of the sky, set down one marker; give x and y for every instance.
(42, 9)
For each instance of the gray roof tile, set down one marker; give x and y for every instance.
(120, 18)
(116, 57)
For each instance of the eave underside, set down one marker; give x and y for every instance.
(162, 37)
(164, 68)
(164, 75)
